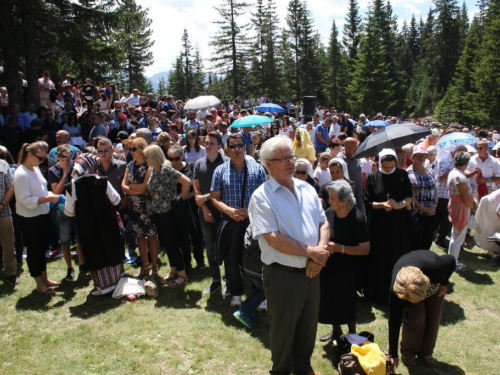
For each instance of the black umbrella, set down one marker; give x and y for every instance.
(391, 137)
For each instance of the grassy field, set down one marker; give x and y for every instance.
(187, 332)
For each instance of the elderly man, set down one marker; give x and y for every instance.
(62, 138)
(485, 165)
(293, 253)
(45, 85)
(354, 167)
(233, 183)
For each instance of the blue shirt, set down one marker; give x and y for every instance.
(72, 148)
(97, 130)
(23, 120)
(324, 132)
(247, 139)
(229, 182)
(195, 124)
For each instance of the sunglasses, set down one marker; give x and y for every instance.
(101, 151)
(479, 148)
(301, 172)
(175, 159)
(40, 159)
(238, 145)
(133, 149)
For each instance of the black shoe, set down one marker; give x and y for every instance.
(215, 286)
(442, 246)
(13, 280)
(70, 275)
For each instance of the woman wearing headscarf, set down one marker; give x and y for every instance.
(91, 201)
(338, 171)
(425, 198)
(304, 172)
(419, 283)
(348, 241)
(302, 146)
(388, 192)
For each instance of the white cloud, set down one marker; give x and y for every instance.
(197, 16)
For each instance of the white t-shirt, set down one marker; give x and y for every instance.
(286, 132)
(456, 177)
(322, 176)
(29, 186)
(334, 130)
(193, 155)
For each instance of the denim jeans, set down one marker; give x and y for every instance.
(65, 225)
(254, 298)
(209, 232)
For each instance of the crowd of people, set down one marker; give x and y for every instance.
(114, 174)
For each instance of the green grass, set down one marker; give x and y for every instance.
(187, 332)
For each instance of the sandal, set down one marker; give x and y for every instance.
(167, 279)
(52, 283)
(409, 361)
(47, 292)
(144, 272)
(176, 283)
(154, 271)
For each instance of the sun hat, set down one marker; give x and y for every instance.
(419, 149)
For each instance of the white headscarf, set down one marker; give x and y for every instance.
(342, 163)
(307, 163)
(386, 152)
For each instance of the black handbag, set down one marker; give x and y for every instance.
(413, 220)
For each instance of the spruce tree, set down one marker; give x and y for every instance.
(352, 27)
(337, 71)
(198, 74)
(187, 64)
(162, 86)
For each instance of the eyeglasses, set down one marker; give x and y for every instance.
(175, 159)
(133, 149)
(301, 172)
(238, 145)
(285, 159)
(40, 159)
(101, 151)
(479, 148)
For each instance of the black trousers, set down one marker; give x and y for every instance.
(168, 232)
(422, 239)
(293, 308)
(444, 228)
(36, 231)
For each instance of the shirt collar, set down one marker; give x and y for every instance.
(275, 185)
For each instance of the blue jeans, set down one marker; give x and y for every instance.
(65, 225)
(254, 298)
(209, 231)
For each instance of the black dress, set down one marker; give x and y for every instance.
(388, 231)
(338, 279)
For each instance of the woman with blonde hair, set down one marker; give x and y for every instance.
(419, 283)
(32, 206)
(134, 184)
(162, 186)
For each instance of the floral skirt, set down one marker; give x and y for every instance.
(140, 219)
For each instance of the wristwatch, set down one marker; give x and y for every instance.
(343, 249)
(205, 197)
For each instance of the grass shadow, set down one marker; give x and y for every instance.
(364, 311)
(94, 306)
(6, 289)
(178, 298)
(441, 368)
(35, 301)
(452, 313)
(476, 278)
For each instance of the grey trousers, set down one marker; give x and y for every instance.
(293, 307)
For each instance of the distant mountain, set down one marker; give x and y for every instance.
(156, 78)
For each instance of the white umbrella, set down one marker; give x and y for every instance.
(202, 102)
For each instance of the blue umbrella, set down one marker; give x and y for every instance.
(453, 139)
(251, 120)
(269, 107)
(378, 123)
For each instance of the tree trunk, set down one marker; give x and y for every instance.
(28, 15)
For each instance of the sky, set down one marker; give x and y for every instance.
(170, 18)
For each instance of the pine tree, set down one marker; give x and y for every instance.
(135, 40)
(337, 71)
(162, 86)
(352, 29)
(463, 25)
(414, 39)
(198, 74)
(176, 80)
(187, 64)
(231, 44)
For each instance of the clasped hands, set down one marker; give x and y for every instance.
(318, 257)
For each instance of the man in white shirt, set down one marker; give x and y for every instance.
(485, 164)
(293, 253)
(67, 81)
(44, 86)
(133, 100)
(335, 128)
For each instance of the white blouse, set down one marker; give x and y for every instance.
(29, 186)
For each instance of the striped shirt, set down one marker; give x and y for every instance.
(229, 182)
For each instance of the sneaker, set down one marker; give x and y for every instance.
(441, 246)
(13, 280)
(48, 253)
(262, 306)
(70, 274)
(460, 267)
(215, 286)
(56, 254)
(226, 292)
(236, 301)
(243, 319)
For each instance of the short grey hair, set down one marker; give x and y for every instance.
(343, 190)
(461, 158)
(144, 133)
(105, 142)
(269, 147)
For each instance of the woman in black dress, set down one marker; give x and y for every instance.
(348, 241)
(90, 201)
(388, 192)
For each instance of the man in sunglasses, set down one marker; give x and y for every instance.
(62, 138)
(233, 183)
(483, 169)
